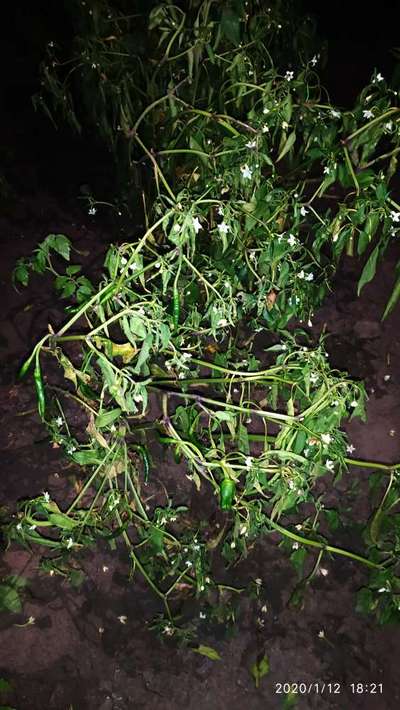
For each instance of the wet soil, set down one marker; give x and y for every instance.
(78, 655)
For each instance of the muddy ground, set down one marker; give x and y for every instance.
(78, 655)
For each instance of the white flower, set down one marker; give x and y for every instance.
(350, 448)
(367, 113)
(202, 615)
(379, 77)
(188, 563)
(138, 398)
(248, 461)
(122, 619)
(258, 581)
(354, 403)
(309, 277)
(70, 543)
(264, 609)
(326, 438)
(382, 589)
(105, 568)
(196, 224)
(395, 216)
(92, 210)
(94, 65)
(265, 128)
(309, 323)
(220, 210)
(314, 60)
(330, 465)
(335, 114)
(323, 571)
(59, 421)
(101, 629)
(388, 126)
(303, 211)
(222, 323)
(71, 449)
(19, 526)
(246, 172)
(223, 228)
(314, 377)
(289, 75)
(46, 496)
(32, 527)
(30, 621)
(326, 170)
(285, 125)
(113, 428)
(295, 546)
(123, 260)
(292, 240)
(177, 227)
(133, 267)
(243, 530)
(386, 378)
(321, 634)
(251, 144)
(168, 630)
(233, 545)
(265, 110)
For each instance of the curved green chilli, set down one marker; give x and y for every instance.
(145, 460)
(227, 491)
(25, 367)
(39, 386)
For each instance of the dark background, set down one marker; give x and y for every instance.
(360, 38)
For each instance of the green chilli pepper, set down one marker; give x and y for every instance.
(227, 490)
(41, 401)
(25, 367)
(176, 308)
(145, 460)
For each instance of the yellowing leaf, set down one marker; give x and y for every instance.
(209, 652)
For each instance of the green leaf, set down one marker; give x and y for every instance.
(5, 686)
(260, 669)
(21, 274)
(60, 243)
(369, 269)
(230, 25)
(287, 146)
(208, 651)
(9, 599)
(394, 297)
(106, 418)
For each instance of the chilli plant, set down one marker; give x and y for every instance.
(256, 185)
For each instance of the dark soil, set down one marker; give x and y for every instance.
(78, 655)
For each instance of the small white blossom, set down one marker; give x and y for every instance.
(177, 227)
(321, 634)
(309, 277)
(303, 211)
(105, 568)
(222, 323)
(382, 590)
(314, 60)
(326, 438)
(386, 378)
(379, 77)
(285, 125)
(202, 615)
(354, 403)
(223, 228)
(292, 241)
(335, 114)
(395, 216)
(326, 170)
(188, 563)
(251, 144)
(289, 75)
(350, 448)
(233, 545)
(258, 581)
(92, 211)
(265, 110)
(196, 224)
(243, 530)
(59, 421)
(46, 496)
(323, 571)
(70, 543)
(388, 126)
(19, 526)
(71, 449)
(246, 172)
(265, 128)
(295, 546)
(367, 113)
(264, 609)
(122, 619)
(124, 261)
(249, 461)
(330, 465)
(138, 398)
(101, 630)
